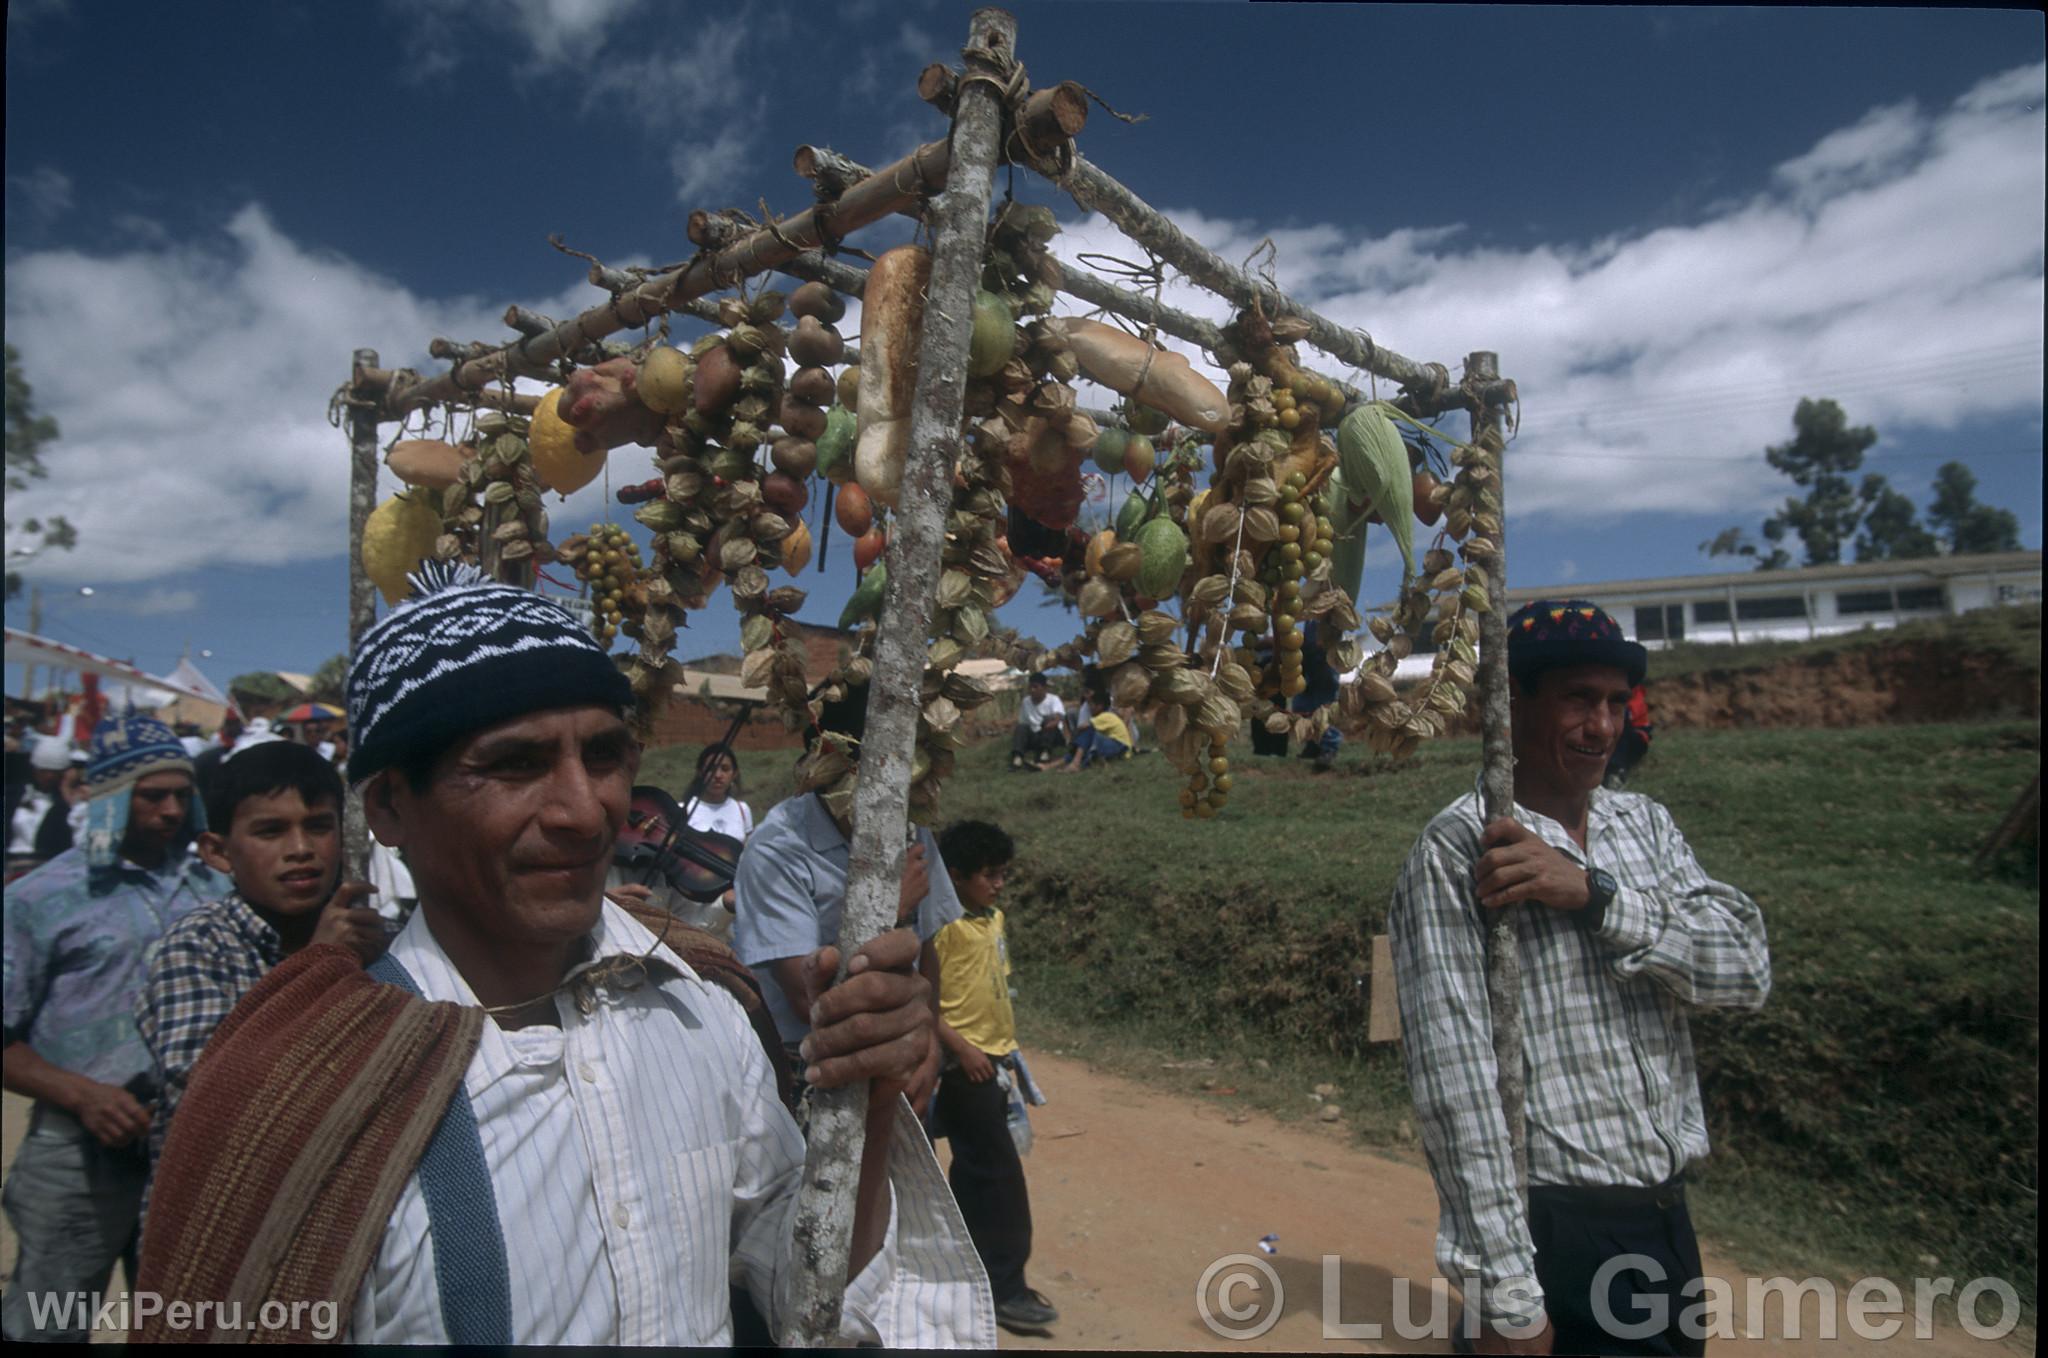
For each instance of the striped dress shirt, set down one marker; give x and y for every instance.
(1613, 1093)
(640, 1159)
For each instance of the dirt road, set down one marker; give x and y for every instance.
(1136, 1191)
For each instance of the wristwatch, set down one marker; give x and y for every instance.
(1601, 889)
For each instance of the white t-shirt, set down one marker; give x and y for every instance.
(1031, 715)
(28, 818)
(729, 817)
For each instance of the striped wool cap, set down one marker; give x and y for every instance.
(131, 747)
(463, 653)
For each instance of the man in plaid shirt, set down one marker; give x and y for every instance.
(1623, 933)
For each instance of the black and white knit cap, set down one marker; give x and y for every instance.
(462, 653)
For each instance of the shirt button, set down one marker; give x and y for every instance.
(587, 1071)
(621, 1218)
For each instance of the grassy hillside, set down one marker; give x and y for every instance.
(1882, 1107)
(2011, 635)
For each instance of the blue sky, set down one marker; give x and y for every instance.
(1670, 223)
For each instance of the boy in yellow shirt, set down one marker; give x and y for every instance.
(979, 1031)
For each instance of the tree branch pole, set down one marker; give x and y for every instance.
(1096, 191)
(815, 266)
(824, 1221)
(888, 190)
(1503, 944)
(363, 405)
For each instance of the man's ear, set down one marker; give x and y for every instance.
(213, 851)
(380, 808)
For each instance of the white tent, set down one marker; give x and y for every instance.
(121, 683)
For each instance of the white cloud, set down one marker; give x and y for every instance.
(191, 384)
(191, 379)
(703, 168)
(1896, 266)
(45, 190)
(555, 34)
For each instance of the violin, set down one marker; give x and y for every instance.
(659, 847)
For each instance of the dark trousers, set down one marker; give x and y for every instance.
(987, 1177)
(1026, 743)
(1576, 1230)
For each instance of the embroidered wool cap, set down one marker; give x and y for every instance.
(462, 653)
(1552, 633)
(131, 747)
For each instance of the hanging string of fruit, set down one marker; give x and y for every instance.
(1453, 595)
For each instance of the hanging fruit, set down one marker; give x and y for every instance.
(399, 535)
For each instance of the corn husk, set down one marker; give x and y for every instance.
(756, 631)
(1182, 687)
(1375, 463)
(945, 653)
(756, 668)
(1219, 524)
(1235, 682)
(942, 714)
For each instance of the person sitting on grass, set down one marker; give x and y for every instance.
(978, 1028)
(1040, 733)
(1105, 737)
(276, 813)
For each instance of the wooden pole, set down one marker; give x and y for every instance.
(1098, 192)
(824, 1221)
(891, 189)
(363, 405)
(1423, 401)
(1503, 946)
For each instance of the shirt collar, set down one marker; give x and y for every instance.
(1602, 809)
(253, 926)
(820, 830)
(616, 934)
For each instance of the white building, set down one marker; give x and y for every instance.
(1794, 604)
(1806, 602)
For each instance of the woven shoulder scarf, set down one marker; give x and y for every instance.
(312, 1105)
(305, 1116)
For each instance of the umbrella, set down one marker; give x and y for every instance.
(312, 712)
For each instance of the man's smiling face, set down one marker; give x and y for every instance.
(1565, 732)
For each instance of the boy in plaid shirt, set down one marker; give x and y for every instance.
(277, 809)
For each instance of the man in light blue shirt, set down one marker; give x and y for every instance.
(80, 932)
(791, 890)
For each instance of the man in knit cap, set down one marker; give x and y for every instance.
(533, 1120)
(79, 932)
(1621, 933)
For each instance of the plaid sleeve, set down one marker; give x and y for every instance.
(1700, 939)
(192, 986)
(1447, 1045)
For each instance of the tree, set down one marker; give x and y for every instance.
(1891, 526)
(1965, 526)
(27, 434)
(330, 681)
(1820, 457)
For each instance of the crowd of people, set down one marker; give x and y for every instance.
(563, 1099)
